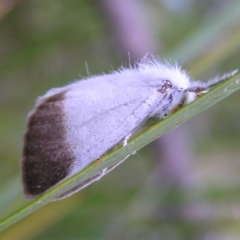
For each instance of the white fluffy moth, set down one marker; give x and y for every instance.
(72, 126)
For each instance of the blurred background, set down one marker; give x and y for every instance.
(185, 185)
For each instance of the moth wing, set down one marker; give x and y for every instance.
(70, 127)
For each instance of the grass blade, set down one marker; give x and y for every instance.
(218, 93)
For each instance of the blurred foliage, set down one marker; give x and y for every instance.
(45, 44)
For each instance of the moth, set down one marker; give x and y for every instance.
(72, 126)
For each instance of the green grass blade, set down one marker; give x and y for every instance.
(160, 128)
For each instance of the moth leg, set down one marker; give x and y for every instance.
(125, 140)
(221, 78)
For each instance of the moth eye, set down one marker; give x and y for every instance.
(166, 85)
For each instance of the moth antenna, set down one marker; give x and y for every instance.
(218, 79)
(212, 82)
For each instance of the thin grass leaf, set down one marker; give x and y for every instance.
(160, 128)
